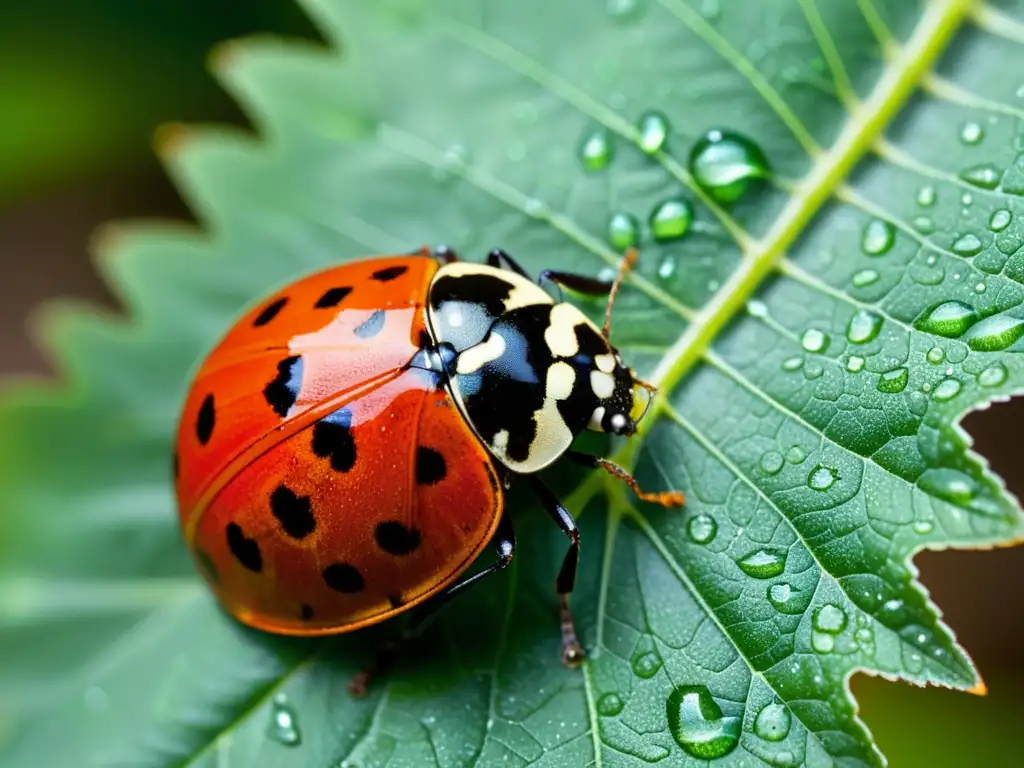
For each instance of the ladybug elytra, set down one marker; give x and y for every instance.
(344, 450)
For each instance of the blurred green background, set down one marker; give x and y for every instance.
(83, 85)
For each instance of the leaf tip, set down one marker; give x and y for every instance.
(169, 140)
(223, 55)
(979, 688)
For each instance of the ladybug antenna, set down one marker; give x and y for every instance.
(628, 260)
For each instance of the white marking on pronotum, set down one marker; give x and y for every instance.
(602, 384)
(475, 358)
(560, 334)
(596, 419)
(605, 363)
(561, 377)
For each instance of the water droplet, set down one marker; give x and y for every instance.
(764, 564)
(653, 128)
(854, 364)
(701, 529)
(923, 526)
(947, 389)
(950, 319)
(949, 484)
(647, 664)
(796, 455)
(791, 364)
(926, 196)
(814, 340)
(772, 723)
(623, 231)
(607, 274)
(967, 245)
(771, 462)
(596, 150)
(865, 277)
(283, 728)
(698, 725)
(667, 268)
(623, 9)
(986, 175)
(779, 594)
(966, 199)
(893, 381)
(757, 308)
(538, 209)
(671, 219)
(995, 333)
(935, 355)
(822, 478)
(822, 642)
(863, 327)
(923, 224)
(878, 237)
(1000, 220)
(993, 376)
(829, 618)
(609, 705)
(725, 164)
(813, 370)
(971, 133)
(980, 287)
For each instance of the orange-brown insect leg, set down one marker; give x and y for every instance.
(664, 498)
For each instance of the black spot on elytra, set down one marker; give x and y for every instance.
(306, 612)
(206, 420)
(396, 601)
(395, 539)
(430, 466)
(373, 325)
(342, 577)
(294, 512)
(269, 312)
(206, 566)
(332, 439)
(389, 273)
(282, 392)
(245, 550)
(333, 297)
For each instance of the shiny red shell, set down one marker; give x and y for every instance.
(323, 485)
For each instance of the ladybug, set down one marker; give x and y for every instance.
(344, 451)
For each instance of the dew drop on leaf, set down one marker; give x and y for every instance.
(950, 319)
(923, 224)
(829, 618)
(980, 287)
(701, 529)
(791, 364)
(893, 381)
(863, 327)
(779, 594)
(623, 231)
(757, 308)
(814, 340)
(966, 199)
(671, 219)
(971, 133)
(985, 175)
(653, 129)
(813, 370)
(995, 333)
(772, 723)
(878, 237)
(283, 728)
(865, 277)
(967, 245)
(667, 268)
(822, 642)
(796, 455)
(935, 355)
(926, 196)
(923, 526)
(764, 564)
(609, 705)
(646, 664)
(949, 484)
(854, 364)
(725, 164)
(698, 725)
(822, 478)
(771, 462)
(947, 389)
(999, 220)
(993, 376)
(595, 151)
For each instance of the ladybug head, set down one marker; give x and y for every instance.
(627, 396)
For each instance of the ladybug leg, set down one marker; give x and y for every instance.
(588, 286)
(501, 260)
(664, 498)
(504, 544)
(572, 651)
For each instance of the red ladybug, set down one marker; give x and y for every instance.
(343, 452)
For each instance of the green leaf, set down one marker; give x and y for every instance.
(813, 371)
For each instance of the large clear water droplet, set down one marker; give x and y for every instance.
(791, 364)
(993, 376)
(926, 196)
(865, 277)
(726, 164)
(994, 333)
(949, 484)
(653, 129)
(893, 381)
(878, 237)
(623, 231)
(779, 594)
(645, 664)
(946, 389)
(863, 326)
(950, 319)
(796, 455)
(609, 705)
(698, 725)
(771, 462)
(923, 224)
(596, 150)
(671, 219)
(1000, 220)
(701, 529)
(829, 618)
(935, 355)
(854, 364)
(967, 245)
(814, 340)
(986, 175)
(772, 723)
(971, 133)
(283, 728)
(822, 478)
(764, 564)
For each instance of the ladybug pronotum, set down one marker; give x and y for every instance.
(344, 451)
